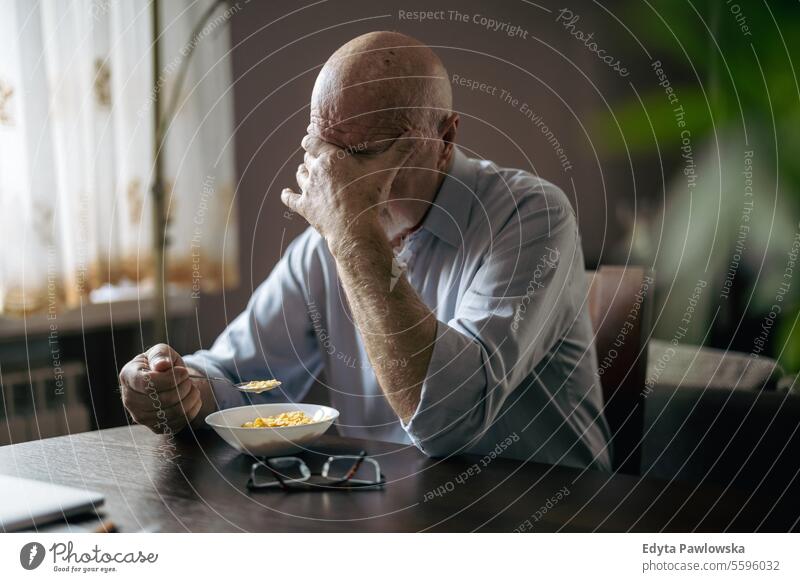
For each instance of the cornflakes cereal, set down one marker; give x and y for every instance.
(295, 418)
(261, 385)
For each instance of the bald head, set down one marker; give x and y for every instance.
(377, 86)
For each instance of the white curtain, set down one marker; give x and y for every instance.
(76, 149)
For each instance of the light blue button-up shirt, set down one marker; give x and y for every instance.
(513, 372)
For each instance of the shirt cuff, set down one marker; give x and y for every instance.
(224, 394)
(451, 408)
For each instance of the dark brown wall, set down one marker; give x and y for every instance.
(277, 56)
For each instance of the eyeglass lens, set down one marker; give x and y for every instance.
(353, 468)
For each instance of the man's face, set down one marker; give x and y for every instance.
(339, 122)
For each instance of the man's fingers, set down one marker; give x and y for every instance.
(313, 145)
(146, 381)
(155, 413)
(130, 370)
(179, 415)
(172, 397)
(150, 400)
(137, 376)
(291, 199)
(302, 177)
(157, 390)
(193, 409)
(178, 408)
(162, 357)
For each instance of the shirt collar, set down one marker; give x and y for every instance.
(447, 217)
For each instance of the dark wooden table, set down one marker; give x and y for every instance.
(199, 485)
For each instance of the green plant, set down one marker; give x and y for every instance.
(733, 68)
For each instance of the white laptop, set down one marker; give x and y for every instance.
(25, 503)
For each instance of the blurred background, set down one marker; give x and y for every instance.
(671, 125)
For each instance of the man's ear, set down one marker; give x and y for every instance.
(447, 133)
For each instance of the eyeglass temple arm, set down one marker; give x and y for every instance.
(356, 466)
(277, 475)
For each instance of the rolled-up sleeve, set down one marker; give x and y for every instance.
(271, 338)
(509, 318)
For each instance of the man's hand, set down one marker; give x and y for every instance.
(341, 189)
(341, 193)
(157, 390)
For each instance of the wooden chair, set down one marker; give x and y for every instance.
(620, 307)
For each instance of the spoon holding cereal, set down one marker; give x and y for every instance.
(251, 387)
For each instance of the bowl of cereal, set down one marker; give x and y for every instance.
(268, 430)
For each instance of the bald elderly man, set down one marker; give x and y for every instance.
(442, 298)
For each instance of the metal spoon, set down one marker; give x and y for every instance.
(242, 386)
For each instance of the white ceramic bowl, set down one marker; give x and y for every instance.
(271, 442)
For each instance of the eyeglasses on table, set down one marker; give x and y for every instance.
(340, 472)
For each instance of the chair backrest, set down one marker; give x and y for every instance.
(620, 307)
